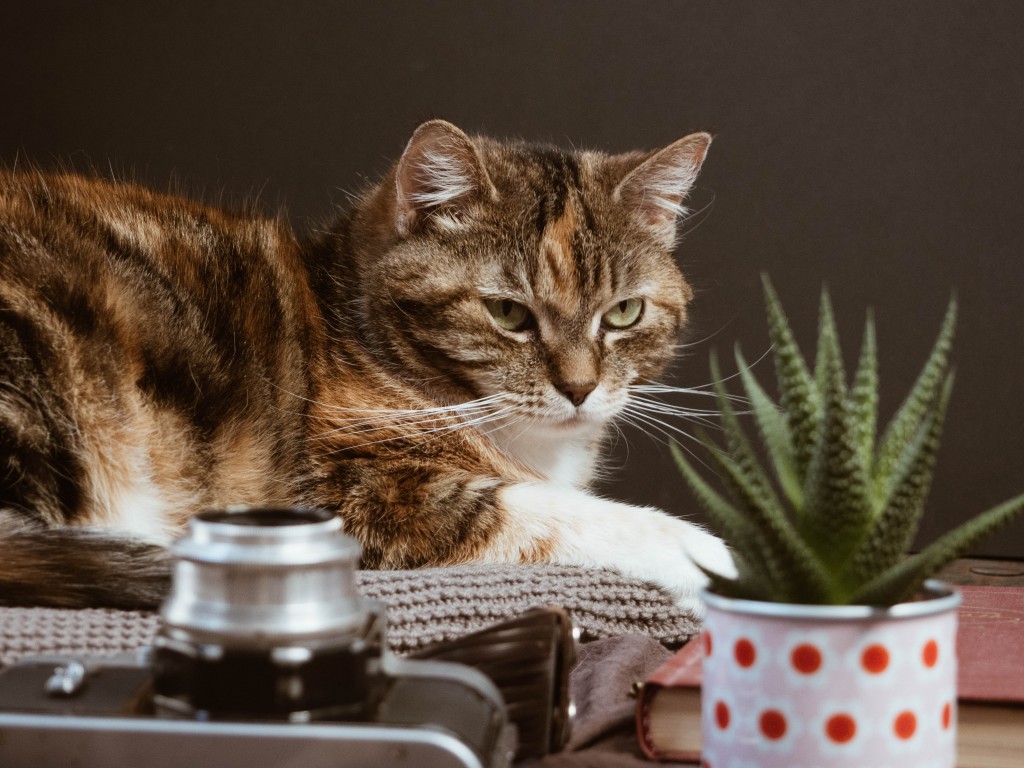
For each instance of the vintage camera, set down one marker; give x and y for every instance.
(267, 655)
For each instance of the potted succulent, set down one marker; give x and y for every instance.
(830, 645)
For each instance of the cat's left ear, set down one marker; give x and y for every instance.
(440, 173)
(656, 188)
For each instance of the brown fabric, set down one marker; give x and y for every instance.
(603, 733)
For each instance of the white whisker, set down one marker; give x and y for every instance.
(702, 390)
(407, 421)
(418, 435)
(468, 405)
(698, 342)
(393, 419)
(645, 423)
(662, 426)
(670, 409)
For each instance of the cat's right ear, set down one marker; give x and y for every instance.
(440, 173)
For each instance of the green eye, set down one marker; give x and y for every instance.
(624, 314)
(510, 315)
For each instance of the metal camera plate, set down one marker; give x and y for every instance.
(28, 739)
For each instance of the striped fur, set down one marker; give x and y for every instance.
(158, 357)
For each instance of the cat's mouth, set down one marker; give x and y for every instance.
(577, 420)
(573, 421)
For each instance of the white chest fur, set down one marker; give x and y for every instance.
(561, 456)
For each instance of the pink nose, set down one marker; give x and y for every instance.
(577, 392)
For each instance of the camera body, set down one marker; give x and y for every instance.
(431, 715)
(266, 655)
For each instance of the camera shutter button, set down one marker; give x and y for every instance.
(66, 680)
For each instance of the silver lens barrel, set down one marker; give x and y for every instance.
(265, 576)
(264, 621)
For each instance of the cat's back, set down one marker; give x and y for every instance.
(152, 350)
(76, 225)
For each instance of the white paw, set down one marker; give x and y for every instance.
(710, 553)
(668, 553)
(641, 542)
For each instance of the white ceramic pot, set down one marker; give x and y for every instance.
(808, 686)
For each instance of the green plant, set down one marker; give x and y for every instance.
(835, 524)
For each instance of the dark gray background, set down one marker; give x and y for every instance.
(875, 146)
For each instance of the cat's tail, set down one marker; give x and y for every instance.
(70, 567)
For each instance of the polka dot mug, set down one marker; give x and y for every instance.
(803, 686)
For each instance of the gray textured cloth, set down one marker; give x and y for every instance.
(423, 606)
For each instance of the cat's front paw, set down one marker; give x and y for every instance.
(705, 549)
(640, 542)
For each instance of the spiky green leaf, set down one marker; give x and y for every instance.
(892, 533)
(789, 563)
(827, 354)
(836, 490)
(736, 440)
(864, 393)
(798, 393)
(729, 522)
(904, 580)
(742, 587)
(905, 424)
(774, 433)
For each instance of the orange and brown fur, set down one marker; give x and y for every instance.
(440, 367)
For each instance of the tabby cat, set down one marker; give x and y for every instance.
(440, 367)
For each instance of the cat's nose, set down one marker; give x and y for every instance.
(577, 392)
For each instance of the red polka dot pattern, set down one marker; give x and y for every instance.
(806, 659)
(722, 715)
(822, 695)
(930, 654)
(875, 659)
(905, 725)
(772, 724)
(745, 653)
(841, 728)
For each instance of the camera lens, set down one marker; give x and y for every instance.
(264, 619)
(264, 575)
(264, 517)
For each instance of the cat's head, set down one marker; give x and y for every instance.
(545, 277)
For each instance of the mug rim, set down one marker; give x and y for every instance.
(936, 597)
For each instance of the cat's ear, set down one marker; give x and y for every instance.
(440, 172)
(656, 188)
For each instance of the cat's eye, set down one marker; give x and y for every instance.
(508, 314)
(624, 314)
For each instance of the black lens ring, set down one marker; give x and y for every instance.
(266, 517)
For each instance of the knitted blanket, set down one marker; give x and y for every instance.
(423, 606)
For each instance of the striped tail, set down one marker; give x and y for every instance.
(68, 567)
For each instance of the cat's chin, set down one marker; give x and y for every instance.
(571, 425)
(561, 451)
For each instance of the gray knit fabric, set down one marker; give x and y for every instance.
(423, 606)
